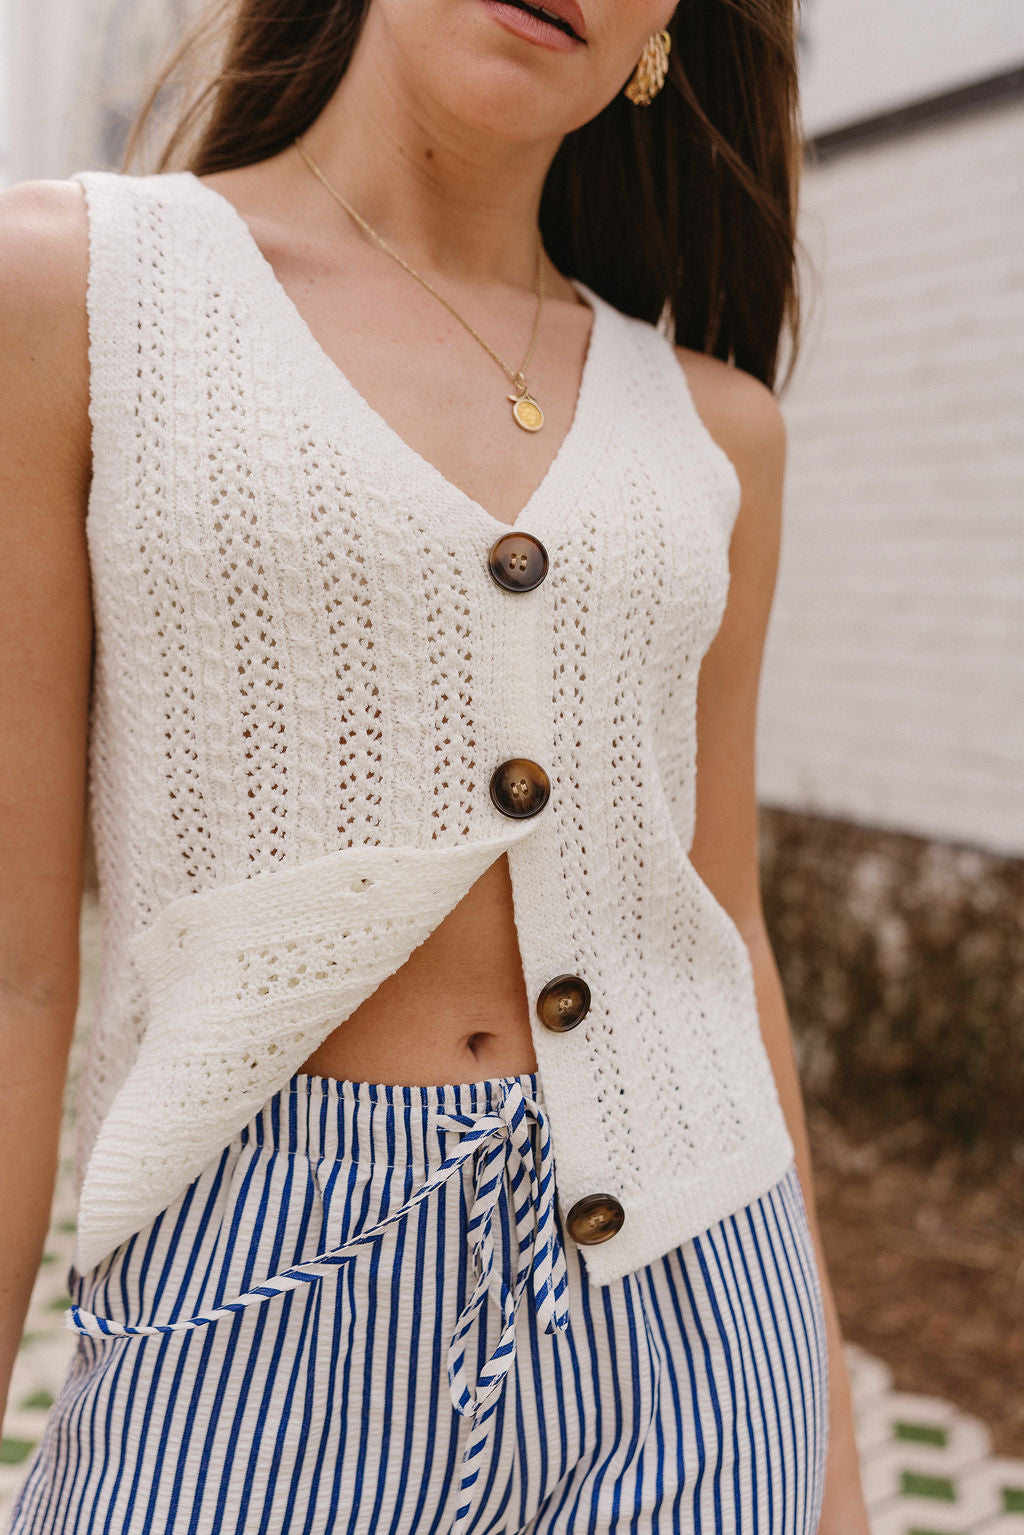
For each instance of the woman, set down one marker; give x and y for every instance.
(442, 1145)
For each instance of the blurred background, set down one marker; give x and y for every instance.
(891, 723)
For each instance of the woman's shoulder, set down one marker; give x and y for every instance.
(740, 411)
(44, 242)
(44, 258)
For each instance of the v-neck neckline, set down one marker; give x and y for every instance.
(558, 475)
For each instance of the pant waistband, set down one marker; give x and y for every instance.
(332, 1119)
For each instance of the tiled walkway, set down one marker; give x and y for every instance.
(927, 1467)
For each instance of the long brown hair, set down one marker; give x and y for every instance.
(690, 202)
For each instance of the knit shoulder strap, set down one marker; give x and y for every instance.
(137, 237)
(654, 388)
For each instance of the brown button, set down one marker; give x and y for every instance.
(518, 562)
(520, 787)
(563, 1002)
(594, 1219)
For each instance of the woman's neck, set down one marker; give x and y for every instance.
(450, 198)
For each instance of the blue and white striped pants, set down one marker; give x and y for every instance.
(365, 1316)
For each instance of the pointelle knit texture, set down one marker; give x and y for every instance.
(304, 677)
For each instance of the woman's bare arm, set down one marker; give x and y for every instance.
(45, 665)
(744, 418)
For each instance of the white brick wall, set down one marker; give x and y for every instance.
(893, 685)
(865, 56)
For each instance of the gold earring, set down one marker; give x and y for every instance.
(649, 76)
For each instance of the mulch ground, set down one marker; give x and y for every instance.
(926, 1258)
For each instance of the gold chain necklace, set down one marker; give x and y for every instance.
(525, 410)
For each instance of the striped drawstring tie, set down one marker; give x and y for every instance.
(501, 1142)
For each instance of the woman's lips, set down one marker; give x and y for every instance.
(534, 28)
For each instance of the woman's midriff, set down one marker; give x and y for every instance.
(456, 1011)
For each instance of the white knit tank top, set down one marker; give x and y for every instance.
(305, 679)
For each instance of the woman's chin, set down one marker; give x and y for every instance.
(508, 103)
(503, 86)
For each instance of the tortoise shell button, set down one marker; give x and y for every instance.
(519, 787)
(563, 1002)
(518, 562)
(594, 1219)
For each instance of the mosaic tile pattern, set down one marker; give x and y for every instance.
(927, 1468)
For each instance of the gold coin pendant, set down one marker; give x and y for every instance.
(528, 413)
